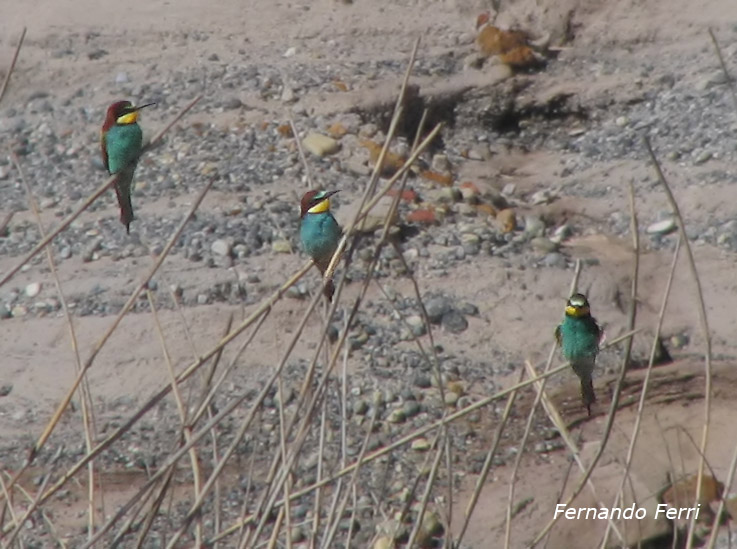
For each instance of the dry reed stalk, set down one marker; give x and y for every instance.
(88, 419)
(632, 313)
(13, 61)
(704, 321)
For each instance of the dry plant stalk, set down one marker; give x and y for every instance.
(634, 230)
(13, 61)
(704, 321)
(88, 419)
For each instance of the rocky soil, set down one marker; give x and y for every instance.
(530, 174)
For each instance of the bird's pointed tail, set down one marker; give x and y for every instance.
(587, 392)
(123, 192)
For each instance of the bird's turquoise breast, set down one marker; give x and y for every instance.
(320, 234)
(123, 145)
(578, 338)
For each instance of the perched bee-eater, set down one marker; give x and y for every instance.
(121, 142)
(579, 336)
(319, 232)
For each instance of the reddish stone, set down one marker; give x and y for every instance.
(470, 187)
(408, 195)
(425, 217)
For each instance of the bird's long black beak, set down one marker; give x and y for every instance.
(330, 193)
(143, 106)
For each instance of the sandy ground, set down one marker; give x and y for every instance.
(36, 355)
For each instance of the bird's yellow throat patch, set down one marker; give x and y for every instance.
(129, 118)
(321, 207)
(577, 311)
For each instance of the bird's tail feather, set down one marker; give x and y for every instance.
(329, 289)
(123, 192)
(587, 393)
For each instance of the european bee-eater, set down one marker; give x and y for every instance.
(319, 232)
(121, 142)
(579, 336)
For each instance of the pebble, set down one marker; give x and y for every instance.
(232, 103)
(416, 324)
(450, 398)
(397, 416)
(33, 289)
(281, 247)
(555, 260)
(665, 226)
(534, 226)
(702, 158)
(411, 408)
(436, 307)
(320, 145)
(421, 444)
(360, 407)
(454, 322)
(440, 163)
(544, 245)
(221, 247)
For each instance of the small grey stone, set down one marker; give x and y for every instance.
(469, 309)
(5, 389)
(121, 78)
(33, 289)
(544, 245)
(702, 158)
(232, 103)
(65, 253)
(360, 407)
(202, 299)
(454, 322)
(554, 259)
(397, 416)
(665, 226)
(422, 381)
(221, 247)
(416, 324)
(436, 307)
(534, 226)
(411, 408)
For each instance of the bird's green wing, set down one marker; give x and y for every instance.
(595, 329)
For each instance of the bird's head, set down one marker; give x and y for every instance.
(315, 202)
(122, 113)
(578, 306)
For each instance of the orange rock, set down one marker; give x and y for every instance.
(442, 178)
(337, 130)
(488, 209)
(681, 493)
(507, 220)
(408, 195)
(392, 161)
(422, 216)
(493, 41)
(519, 58)
(470, 191)
(285, 130)
(342, 86)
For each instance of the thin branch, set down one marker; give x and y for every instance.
(706, 334)
(6, 81)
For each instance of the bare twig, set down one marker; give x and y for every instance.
(730, 82)
(706, 334)
(6, 81)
